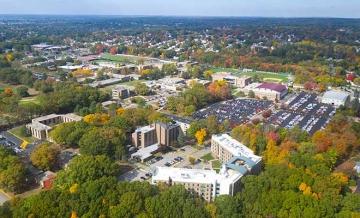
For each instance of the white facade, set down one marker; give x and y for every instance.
(336, 98)
(206, 183)
(224, 147)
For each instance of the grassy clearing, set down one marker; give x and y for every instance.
(29, 100)
(120, 58)
(18, 132)
(266, 76)
(207, 157)
(216, 164)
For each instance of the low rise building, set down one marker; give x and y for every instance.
(336, 98)
(41, 126)
(238, 81)
(270, 91)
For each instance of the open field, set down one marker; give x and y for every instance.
(120, 58)
(266, 76)
(29, 100)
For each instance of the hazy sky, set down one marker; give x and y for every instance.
(264, 8)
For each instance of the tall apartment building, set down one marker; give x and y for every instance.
(164, 134)
(167, 133)
(144, 136)
(238, 161)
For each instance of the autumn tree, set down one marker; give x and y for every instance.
(200, 136)
(45, 156)
(220, 90)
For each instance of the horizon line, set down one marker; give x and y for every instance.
(184, 16)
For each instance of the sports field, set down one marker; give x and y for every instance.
(120, 58)
(265, 76)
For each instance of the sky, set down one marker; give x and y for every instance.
(240, 8)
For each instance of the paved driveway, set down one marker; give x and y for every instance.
(3, 198)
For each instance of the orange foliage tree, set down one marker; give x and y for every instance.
(220, 90)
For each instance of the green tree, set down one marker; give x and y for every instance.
(103, 141)
(86, 168)
(12, 171)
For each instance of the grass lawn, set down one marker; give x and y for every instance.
(120, 58)
(216, 164)
(18, 133)
(29, 100)
(266, 76)
(207, 157)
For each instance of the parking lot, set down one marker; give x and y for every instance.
(12, 142)
(179, 158)
(237, 111)
(304, 111)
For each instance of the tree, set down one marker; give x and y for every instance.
(12, 171)
(192, 160)
(45, 156)
(97, 119)
(200, 136)
(86, 168)
(69, 134)
(141, 89)
(220, 90)
(103, 141)
(251, 94)
(22, 91)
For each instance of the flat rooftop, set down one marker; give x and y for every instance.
(336, 95)
(185, 175)
(145, 128)
(235, 147)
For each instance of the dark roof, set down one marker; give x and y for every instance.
(272, 86)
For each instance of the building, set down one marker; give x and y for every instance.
(120, 92)
(164, 134)
(206, 183)
(238, 161)
(184, 123)
(336, 98)
(225, 148)
(167, 133)
(47, 180)
(145, 154)
(144, 136)
(41, 126)
(171, 83)
(237, 81)
(270, 91)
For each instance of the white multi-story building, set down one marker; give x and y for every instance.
(238, 161)
(225, 148)
(206, 183)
